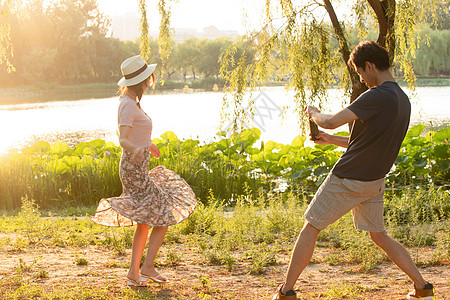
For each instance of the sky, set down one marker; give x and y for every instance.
(224, 14)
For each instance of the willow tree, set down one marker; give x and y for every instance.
(307, 41)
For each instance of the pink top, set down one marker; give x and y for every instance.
(141, 125)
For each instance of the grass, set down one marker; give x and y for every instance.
(252, 237)
(269, 222)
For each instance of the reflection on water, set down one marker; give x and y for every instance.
(72, 138)
(191, 115)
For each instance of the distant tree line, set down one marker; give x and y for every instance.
(66, 42)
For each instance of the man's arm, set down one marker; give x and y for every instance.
(328, 121)
(325, 139)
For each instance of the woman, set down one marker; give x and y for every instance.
(158, 198)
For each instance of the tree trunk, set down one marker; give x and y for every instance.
(357, 87)
(169, 74)
(385, 12)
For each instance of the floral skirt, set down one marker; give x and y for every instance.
(158, 198)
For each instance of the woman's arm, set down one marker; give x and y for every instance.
(125, 143)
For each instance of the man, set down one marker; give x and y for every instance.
(380, 119)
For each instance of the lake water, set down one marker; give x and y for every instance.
(188, 115)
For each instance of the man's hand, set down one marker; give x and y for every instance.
(154, 150)
(311, 110)
(323, 138)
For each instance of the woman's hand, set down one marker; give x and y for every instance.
(154, 150)
(137, 155)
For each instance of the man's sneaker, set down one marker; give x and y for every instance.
(427, 293)
(290, 295)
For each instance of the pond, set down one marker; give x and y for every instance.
(188, 115)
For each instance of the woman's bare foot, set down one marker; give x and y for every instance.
(152, 274)
(135, 279)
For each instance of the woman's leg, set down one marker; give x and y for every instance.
(139, 241)
(155, 241)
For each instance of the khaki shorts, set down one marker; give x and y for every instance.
(337, 196)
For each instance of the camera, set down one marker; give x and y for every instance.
(314, 130)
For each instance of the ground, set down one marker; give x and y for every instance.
(60, 273)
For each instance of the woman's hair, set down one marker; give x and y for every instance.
(369, 51)
(137, 88)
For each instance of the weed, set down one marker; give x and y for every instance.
(19, 245)
(27, 292)
(81, 261)
(23, 267)
(115, 264)
(259, 260)
(42, 274)
(172, 258)
(204, 280)
(343, 290)
(173, 235)
(118, 240)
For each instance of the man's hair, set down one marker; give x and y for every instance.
(369, 51)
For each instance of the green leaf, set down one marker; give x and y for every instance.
(71, 161)
(253, 151)
(422, 162)
(444, 165)
(268, 147)
(342, 133)
(189, 145)
(88, 151)
(301, 174)
(59, 148)
(298, 141)
(415, 131)
(325, 147)
(442, 135)
(98, 143)
(284, 150)
(320, 170)
(170, 137)
(442, 151)
(273, 157)
(222, 145)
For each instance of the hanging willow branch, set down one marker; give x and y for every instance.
(143, 25)
(6, 48)
(165, 34)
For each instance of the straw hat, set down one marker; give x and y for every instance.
(135, 70)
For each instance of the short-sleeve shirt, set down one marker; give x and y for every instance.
(376, 136)
(129, 114)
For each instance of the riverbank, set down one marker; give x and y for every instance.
(53, 92)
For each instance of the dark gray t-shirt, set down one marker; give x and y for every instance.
(377, 135)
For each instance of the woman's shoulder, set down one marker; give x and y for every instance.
(127, 105)
(125, 101)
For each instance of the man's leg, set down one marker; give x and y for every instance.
(399, 255)
(301, 255)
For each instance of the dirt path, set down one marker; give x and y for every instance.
(192, 279)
